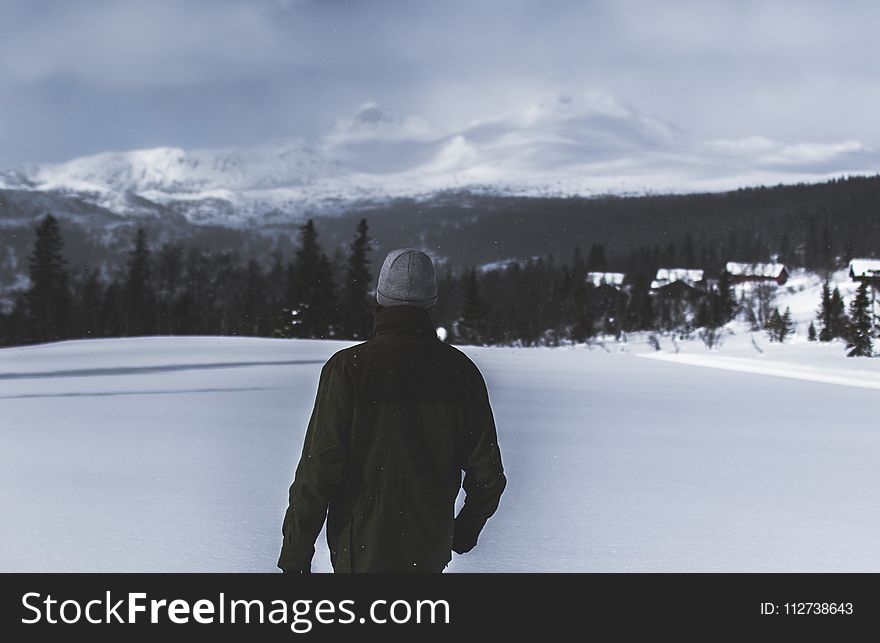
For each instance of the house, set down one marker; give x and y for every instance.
(756, 272)
(865, 270)
(608, 293)
(667, 276)
(678, 283)
(614, 279)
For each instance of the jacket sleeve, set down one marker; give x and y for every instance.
(321, 468)
(484, 479)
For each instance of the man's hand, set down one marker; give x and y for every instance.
(462, 546)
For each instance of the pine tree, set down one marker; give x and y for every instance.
(471, 327)
(90, 296)
(357, 316)
(670, 254)
(578, 266)
(276, 282)
(786, 325)
(255, 316)
(288, 316)
(640, 307)
(584, 322)
(839, 321)
(48, 297)
(140, 299)
(195, 306)
(690, 254)
(596, 261)
(707, 313)
(311, 309)
(826, 252)
(779, 327)
(708, 319)
(112, 311)
(773, 325)
(826, 317)
(859, 337)
(785, 253)
(725, 299)
(326, 304)
(169, 284)
(812, 250)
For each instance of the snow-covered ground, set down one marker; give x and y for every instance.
(175, 454)
(803, 294)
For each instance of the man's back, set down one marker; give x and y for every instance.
(396, 421)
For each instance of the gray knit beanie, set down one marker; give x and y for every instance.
(407, 279)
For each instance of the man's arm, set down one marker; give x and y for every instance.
(484, 479)
(321, 468)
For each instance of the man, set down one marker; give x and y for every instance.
(396, 420)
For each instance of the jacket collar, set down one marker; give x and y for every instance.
(411, 322)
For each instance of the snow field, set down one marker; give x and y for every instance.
(175, 454)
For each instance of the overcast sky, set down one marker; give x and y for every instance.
(78, 78)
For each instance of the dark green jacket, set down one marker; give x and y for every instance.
(396, 421)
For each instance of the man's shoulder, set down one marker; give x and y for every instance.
(462, 363)
(351, 354)
(457, 353)
(345, 355)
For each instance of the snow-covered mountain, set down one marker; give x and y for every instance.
(566, 145)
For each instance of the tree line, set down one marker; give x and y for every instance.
(855, 328)
(179, 290)
(806, 226)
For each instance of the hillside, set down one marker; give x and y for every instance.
(745, 225)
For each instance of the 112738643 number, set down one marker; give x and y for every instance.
(792, 609)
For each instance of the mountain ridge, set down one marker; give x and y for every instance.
(567, 145)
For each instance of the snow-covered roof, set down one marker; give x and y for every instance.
(607, 278)
(768, 270)
(864, 267)
(668, 275)
(496, 265)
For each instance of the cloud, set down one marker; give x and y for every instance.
(744, 147)
(120, 45)
(371, 122)
(566, 143)
(811, 154)
(78, 78)
(582, 143)
(760, 152)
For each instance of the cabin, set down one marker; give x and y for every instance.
(667, 276)
(608, 292)
(865, 270)
(613, 279)
(678, 283)
(677, 293)
(756, 272)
